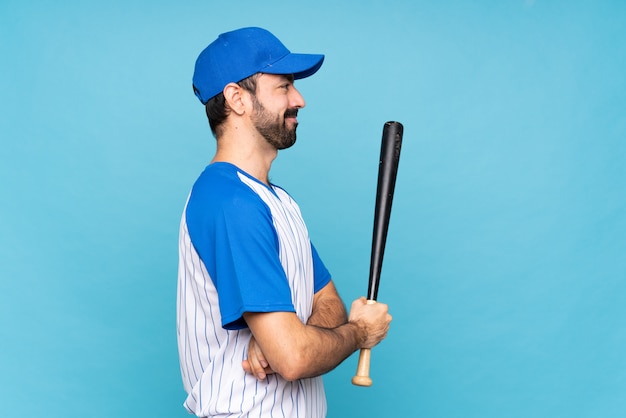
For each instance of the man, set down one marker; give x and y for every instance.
(258, 317)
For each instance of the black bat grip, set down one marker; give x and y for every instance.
(387, 173)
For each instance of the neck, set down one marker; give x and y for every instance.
(253, 155)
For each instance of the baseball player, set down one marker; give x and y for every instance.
(258, 317)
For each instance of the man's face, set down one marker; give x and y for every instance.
(276, 105)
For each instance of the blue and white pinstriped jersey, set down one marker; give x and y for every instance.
(247, 243)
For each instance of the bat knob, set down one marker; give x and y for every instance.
(362, 381)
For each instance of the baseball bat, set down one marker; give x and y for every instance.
(387, 173)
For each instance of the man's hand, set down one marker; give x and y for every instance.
(256, 363)
(372, 318)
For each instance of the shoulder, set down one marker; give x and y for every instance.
(223, 190)
(221, 182)
(217, 178)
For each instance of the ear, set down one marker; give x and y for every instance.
(234, 95)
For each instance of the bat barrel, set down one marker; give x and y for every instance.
(387, 173)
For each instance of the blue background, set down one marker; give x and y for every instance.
(505, 265)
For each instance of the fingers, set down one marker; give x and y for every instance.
(256, 363)
(256, 360)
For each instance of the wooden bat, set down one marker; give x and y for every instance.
(387, 173)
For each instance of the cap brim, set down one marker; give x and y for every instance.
(300, 65)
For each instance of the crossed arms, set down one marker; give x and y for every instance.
(282, 344)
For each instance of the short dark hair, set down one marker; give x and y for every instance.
(217, 110)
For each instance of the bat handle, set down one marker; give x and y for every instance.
(362, 377)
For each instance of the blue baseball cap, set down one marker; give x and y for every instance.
(241, 53)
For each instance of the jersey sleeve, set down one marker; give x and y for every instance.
(321, 273)
(235, 227)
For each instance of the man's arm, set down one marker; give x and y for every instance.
(295, 350)
(328, 308)
(328, 312)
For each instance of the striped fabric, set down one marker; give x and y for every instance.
(210, 354)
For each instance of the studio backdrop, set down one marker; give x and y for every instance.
(505, 265)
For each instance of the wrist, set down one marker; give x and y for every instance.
(360, 333)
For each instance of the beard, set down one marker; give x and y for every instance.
(275, 132)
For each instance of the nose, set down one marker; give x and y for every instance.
(295, 99)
